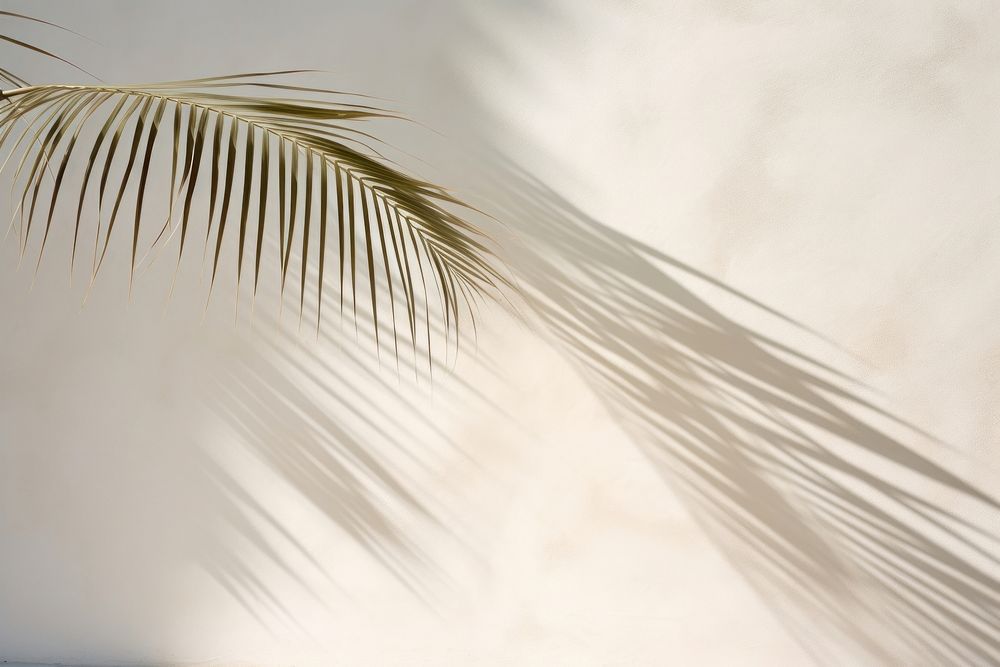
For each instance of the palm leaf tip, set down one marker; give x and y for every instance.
(406, 238)
(15, 80)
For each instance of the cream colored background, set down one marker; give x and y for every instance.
(748, 417)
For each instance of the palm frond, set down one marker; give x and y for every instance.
(391, 228)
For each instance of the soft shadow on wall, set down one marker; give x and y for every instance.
(847, 521)
(854, 538)
(353, 439)
(857, 540)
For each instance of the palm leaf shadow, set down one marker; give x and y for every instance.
(343, 433)
(801, 481)
(842, 527)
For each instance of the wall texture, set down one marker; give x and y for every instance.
(746, 416)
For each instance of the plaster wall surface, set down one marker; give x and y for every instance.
(747, 414)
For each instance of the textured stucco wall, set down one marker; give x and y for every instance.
(748, 415)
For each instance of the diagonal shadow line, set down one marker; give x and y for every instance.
(856, 540)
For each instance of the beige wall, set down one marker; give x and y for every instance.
(748, 416)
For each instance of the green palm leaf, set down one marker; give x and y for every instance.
(392, 229)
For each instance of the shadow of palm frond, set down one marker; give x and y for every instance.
(857, 541)
(338, 423)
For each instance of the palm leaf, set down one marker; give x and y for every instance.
(391, 226)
